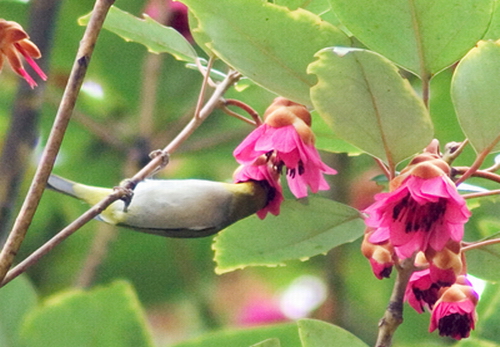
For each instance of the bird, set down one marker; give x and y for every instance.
(179, 208)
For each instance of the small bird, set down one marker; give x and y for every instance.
(184, 208)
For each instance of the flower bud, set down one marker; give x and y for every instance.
(379, 255)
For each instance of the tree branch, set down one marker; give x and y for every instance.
(393, 316)
(54, 141)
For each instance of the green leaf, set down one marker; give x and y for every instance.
(488, 308)
(483, 262)
(326, 139)
(475, 342)
(366, 102)
(286, 333)
(476, 95)
(104, 317)
(268, 343)
(156, 37)
(16, 299)
(304, 228)
(424, 37)
(315, 333)
(267, 43)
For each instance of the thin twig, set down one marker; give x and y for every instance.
(461, 170)
(64, 234)
(481, 194)
(205, 71)
(479, 160)
(204, 84)
(63, 116)
(106, 233)
(393, 316)
(480, 244)
(214, 101)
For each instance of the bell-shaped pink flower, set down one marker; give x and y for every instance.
(422, 212)
(421, 292)
(261, 171)
(287, 140)
(455, 312)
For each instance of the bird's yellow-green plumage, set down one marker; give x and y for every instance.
(175, 208)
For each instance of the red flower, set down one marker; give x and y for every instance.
(455, 312)
(421, 292)
(261, 171)
(13, 42)
(421, 213)
(287, 140)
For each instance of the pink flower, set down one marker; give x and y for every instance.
(14, 41)
(263, 173)
(420, 213)
(455, 312)
(287, 140)
(421, 292)
(379, 255)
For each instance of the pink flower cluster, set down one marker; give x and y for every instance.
(14, 42)
(423, 216)
(284, 141)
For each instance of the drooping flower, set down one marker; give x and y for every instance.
(421, 292)
(261, 171)
(455, 312)
(445, 265)
(425, 210)
(287, 140)
(381, 256)
(14, 41)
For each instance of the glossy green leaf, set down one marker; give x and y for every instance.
(105, 317)
(304, 228)
(16, 299)
(476, 95)
(315, 333)
(268, 343)
(326, 140)
(423, 37)
(268, 43)
(156, 37)
(366, 102)
(286, 333)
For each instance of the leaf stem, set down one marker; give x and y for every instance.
(245, 107)
(54, 141)
(386, 171)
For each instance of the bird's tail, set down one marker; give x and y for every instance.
(62, 185)
(89, 194)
